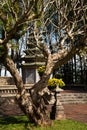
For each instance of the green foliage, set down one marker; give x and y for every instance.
(1, 23)
(38, 23)
(53, 82)
(38, 6)
(2, 50)
(58, 75)
(10, 12)
(5, 8)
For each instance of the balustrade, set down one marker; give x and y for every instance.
(7, 91)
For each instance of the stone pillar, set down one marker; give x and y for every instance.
(57, 109)
(59, 113)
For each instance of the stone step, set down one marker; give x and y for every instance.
(73, 98)
(73, 101)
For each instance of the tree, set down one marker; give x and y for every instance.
(63, 22)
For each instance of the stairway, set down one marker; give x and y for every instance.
(73, 98)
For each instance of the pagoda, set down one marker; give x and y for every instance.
(31, 61)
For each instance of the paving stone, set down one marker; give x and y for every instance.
(76, 112)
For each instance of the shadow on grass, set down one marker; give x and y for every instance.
(17, 120)
(14, 120)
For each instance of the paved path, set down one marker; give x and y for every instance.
(76, 112)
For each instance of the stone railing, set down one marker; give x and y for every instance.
(11, 90)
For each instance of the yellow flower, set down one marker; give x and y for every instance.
(41, 70)
(54, 82)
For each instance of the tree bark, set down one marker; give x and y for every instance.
(34, 107)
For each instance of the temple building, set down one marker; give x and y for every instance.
(31, 61)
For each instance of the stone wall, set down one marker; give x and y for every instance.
(9, 107)
(6, 81)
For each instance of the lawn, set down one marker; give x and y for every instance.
(21, 123)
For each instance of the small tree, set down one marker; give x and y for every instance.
(57, 20)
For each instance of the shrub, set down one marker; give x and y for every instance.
(58, 76)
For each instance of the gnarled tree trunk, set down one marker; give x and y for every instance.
(35, 106)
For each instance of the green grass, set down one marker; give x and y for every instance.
(21, 123)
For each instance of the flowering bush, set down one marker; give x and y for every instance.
(52, 83)
(41, 70)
